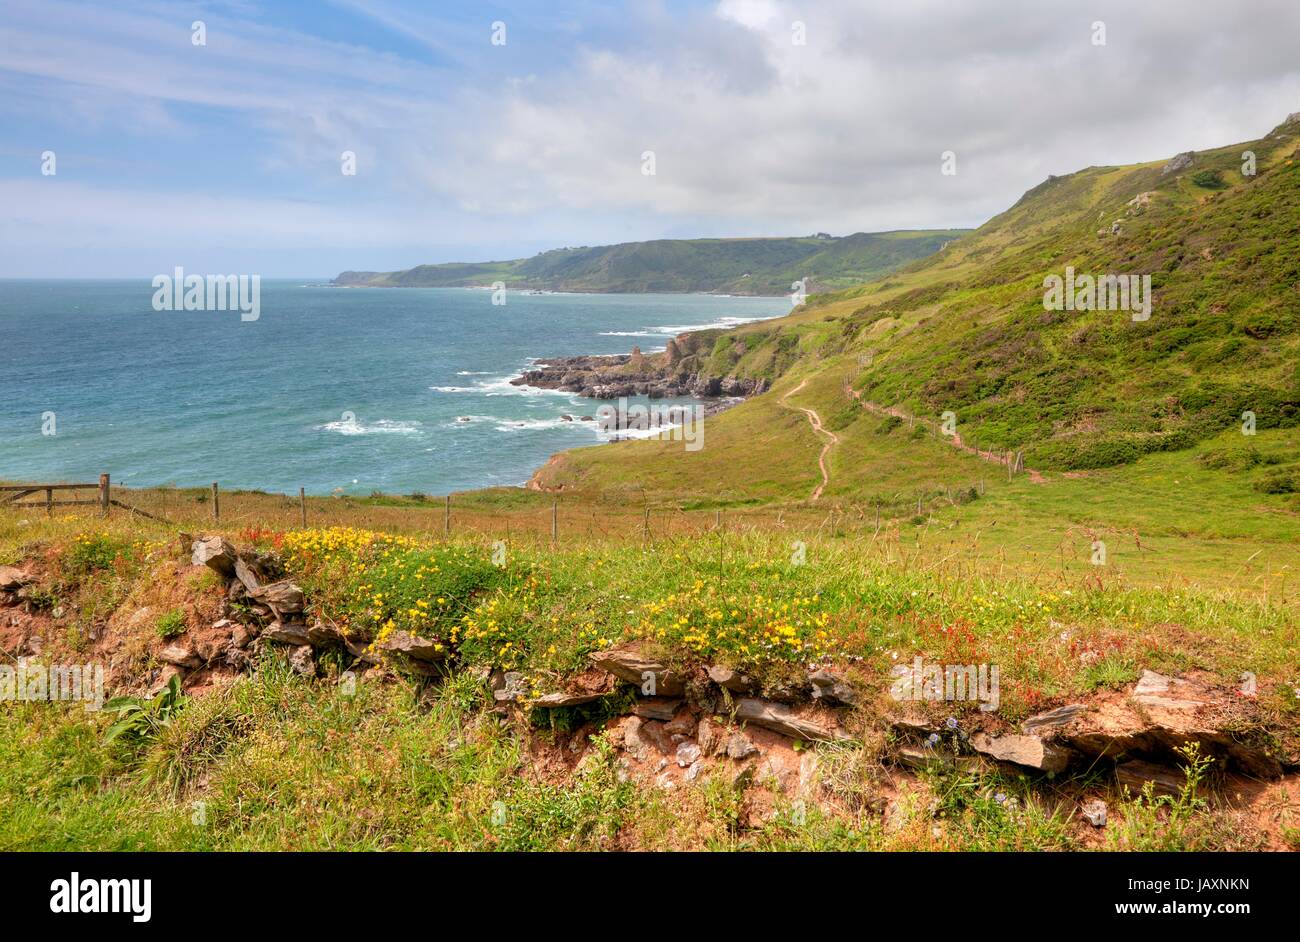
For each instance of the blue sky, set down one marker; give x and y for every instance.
(226, 157)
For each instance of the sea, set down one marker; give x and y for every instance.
(335, 390)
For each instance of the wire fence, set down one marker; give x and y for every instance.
(907, 530)
(528, 515)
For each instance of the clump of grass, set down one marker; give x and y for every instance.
(192, 741)
(1110, 671)
(1233, 459)
(987, 813)
(586, 814)
(1158, 822)
(171, 624)
(1281, 481)
(1291, 836)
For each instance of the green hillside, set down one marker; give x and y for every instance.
(720, 266)
(967, 331)
(1084, 389)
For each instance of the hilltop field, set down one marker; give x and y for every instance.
(656, 648)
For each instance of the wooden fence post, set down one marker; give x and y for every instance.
(446, 517)
(216, 504)
(302, 505)
(645, 530)
(555, 521)
(49, 502)
(103, 495)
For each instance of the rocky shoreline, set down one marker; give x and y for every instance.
(676, 372)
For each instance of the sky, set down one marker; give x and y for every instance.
(498, 130)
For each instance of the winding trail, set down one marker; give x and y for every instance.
(815, 421)
(955, 440)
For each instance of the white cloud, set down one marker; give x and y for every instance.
(752, 134)
(847, 131)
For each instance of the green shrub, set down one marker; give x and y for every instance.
(891, 422)
(843, 417)
(1261, 325)
(1103, 453)
(1230, 459)
(1209, 179)
(171, 624)
(1281, 481)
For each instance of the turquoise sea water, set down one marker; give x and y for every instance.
(330, 388)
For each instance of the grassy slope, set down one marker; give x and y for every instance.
(968, 332)
(730, 266)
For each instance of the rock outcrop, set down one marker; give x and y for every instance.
(676, 372)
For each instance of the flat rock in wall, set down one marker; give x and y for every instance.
(657, 708)
(830, 687)
(11, 579)
(731, 680)
(414, 647)
(782, 719)
(561, 699)
(629, 663)
(180, 655)
(1156, 716)
(1135, 775)
(284, 598)
(1028, 751)
(215, 552)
